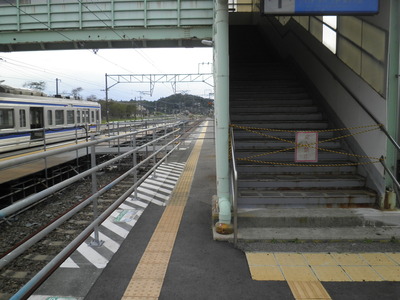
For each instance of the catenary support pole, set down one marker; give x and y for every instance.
(221, 63)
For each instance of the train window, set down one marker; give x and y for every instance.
(49, 117)
(22, 118)
(59, 117)
(70, 117)
(6, 118)
(92, 117)
(97, 116)
(78, 116)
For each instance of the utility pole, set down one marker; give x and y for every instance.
(106, 90)
(57, 80)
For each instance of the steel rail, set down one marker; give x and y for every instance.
(36, 197)
(32, 284)
(23, 247)
(25, 159)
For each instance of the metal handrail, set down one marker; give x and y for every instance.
(37, 196)
(233, 178)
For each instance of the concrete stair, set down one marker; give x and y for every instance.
(268, 104)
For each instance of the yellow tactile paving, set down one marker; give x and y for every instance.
(155, 257)
(144, 288)
(308, 290)
(147, 281)
(267, 273)
(290, 259)
(305, 271)
(298, 273)
(394, 256)
(259, 258)
(325, 266)
(349, 259)
(388, 273)
(362, 273)
(377, 259)
(151, 271)
(330, 273)
(319, 259)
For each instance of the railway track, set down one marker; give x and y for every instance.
(22, 227)
(17, 267)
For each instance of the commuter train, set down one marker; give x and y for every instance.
(28, 121)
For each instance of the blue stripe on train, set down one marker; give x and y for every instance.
(4, 136)
(48, 104)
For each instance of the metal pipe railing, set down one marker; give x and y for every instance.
(33, 283)
(36, 197)
(23, 247)
(234, 177)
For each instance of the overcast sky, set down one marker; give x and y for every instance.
(85, 69)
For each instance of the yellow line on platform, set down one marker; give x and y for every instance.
(147, 281)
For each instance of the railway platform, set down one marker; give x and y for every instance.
(165, 249)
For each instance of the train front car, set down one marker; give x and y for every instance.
(29, 121)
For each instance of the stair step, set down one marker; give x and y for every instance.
(288, 156)
(316, 218)
(306, 198)
(246, 168)
(277, 117)
(245, 109)
(295, 236)
(244, 94)
(300, 125)
(273, 145)
(244, 134)
(299, 181)
(269, 100)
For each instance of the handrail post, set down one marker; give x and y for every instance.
(234, 188)
(135, 174)
(96, 242)
(396, 186)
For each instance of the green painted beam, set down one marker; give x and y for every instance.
(72, 24)
(104, 38)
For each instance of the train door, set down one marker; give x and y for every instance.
(37, 121)
(85, 117)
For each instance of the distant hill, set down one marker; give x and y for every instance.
(174, 104)
(181, 103)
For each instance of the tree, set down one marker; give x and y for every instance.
(91, 98)
(75, 92)
(35, 85)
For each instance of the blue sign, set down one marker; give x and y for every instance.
(321, 7)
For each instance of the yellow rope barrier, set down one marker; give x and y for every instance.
(259, 131)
